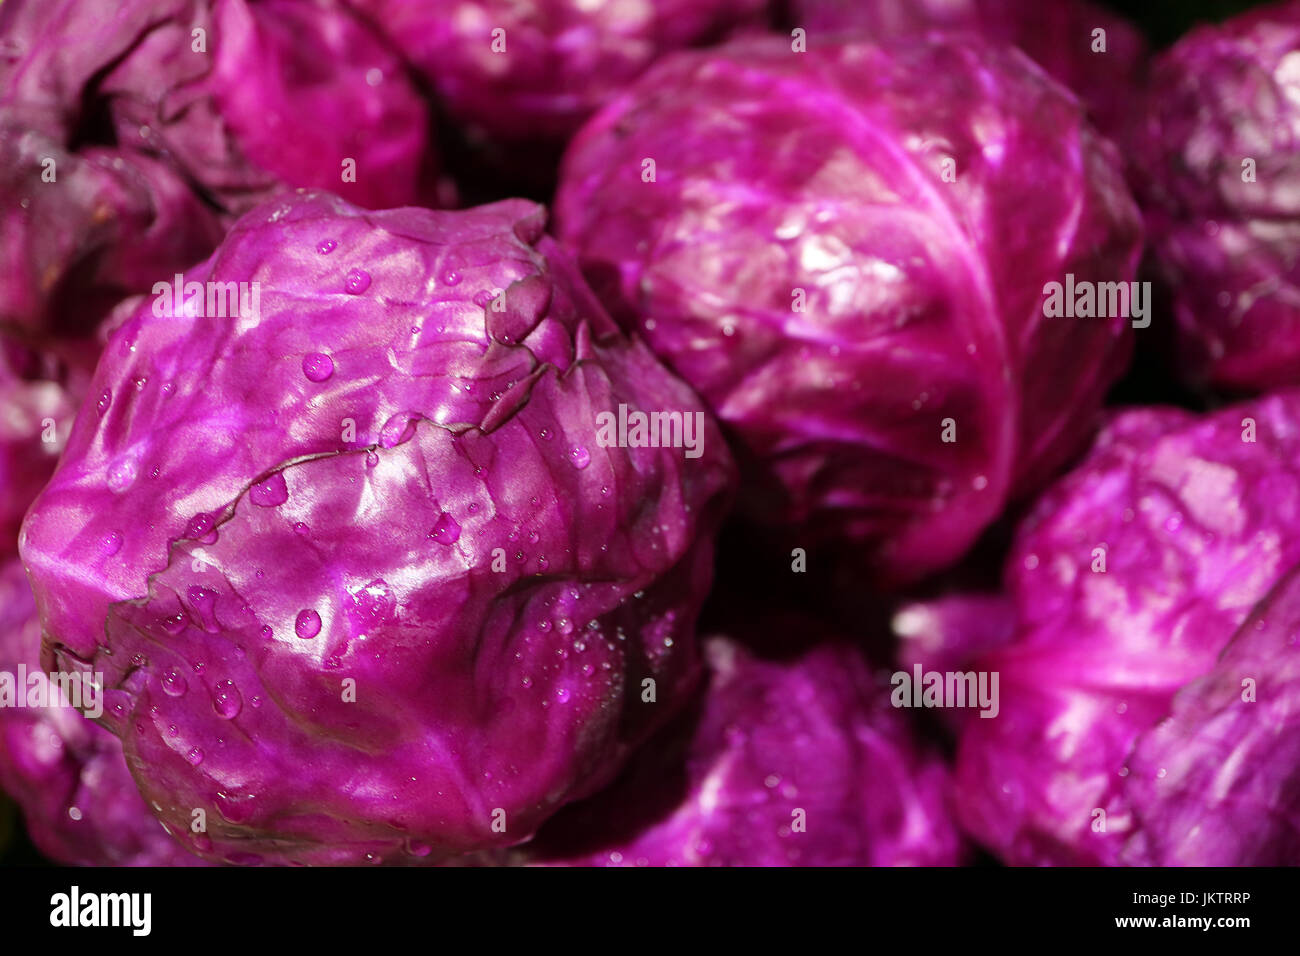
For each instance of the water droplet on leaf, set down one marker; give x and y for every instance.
(122, 473)
(271, 492)
(226, 700)
(399, 429)
(446, 531)
(174, 684)
(307, 624)
(357, 282)
(580, 457)
(317, 366)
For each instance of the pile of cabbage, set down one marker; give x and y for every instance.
(872, 438)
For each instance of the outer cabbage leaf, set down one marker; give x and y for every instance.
(68, 774)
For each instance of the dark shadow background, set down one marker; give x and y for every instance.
(1164, 21)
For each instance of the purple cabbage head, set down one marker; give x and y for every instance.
(65, 772)
(786, 762)
(130, 131)
(1126, 582)
(366, 576)
(1218, 175)
(244, 97)
(1218, 782)
(79, 230)
(1102, 69)
(517, 71)
(842, 252)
